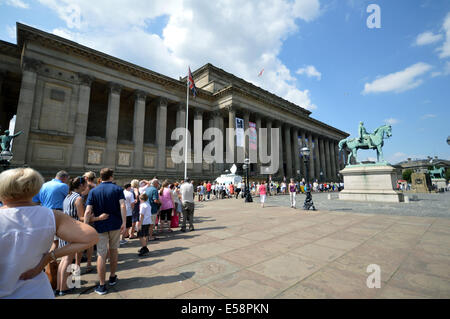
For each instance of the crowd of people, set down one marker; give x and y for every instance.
(208, 191)
(71, 219)
(66, 219)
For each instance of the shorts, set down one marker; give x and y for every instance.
(129, 221)
(166, 214)
(144, 232)
(110, 239)
(263, 198)
(135, 215)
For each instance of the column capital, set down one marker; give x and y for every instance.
(217, 113)
(85, 79)
(140, 95)
(198, 111)
(231, 108)
(114, 87)
(29, 64)
(162, 101)
(181, 106)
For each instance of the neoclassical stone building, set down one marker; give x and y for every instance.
(80, 109)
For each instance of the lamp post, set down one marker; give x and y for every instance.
(247, 193)
(308, 200)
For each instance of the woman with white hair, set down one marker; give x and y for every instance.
(27, 231)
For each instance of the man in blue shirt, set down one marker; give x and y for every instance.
(153, 199)
(106, 208)
(53, 193)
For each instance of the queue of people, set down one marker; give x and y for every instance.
(66, 219)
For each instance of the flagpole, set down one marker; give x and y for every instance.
(186, 132)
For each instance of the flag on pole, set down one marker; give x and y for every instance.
(260, 73)
(192, 84)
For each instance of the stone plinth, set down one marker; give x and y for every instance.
(372, 183)
(439, 182)
(420, 183)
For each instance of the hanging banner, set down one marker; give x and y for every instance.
(253, 139)
(240, 138)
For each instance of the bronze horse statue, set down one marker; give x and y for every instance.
(377, 137)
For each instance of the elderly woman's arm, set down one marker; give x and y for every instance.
(80, 236)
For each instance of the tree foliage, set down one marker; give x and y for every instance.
(406, 175)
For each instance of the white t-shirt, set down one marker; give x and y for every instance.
(129, 199)
(187, 192)
(146, 210)
(26, 234)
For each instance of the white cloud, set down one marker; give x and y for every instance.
(17, 4)
(400, 81)
(445, 49)
(428, 116)
(444, 72)
(427, 38)
(310, 71)
(391, 121)
(11, 31)
(239, 37)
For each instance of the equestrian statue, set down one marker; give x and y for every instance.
(366, 141)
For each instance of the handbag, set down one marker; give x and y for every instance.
(52, 272)
(175, 221)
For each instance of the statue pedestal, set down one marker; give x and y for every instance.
(439, 182)
(371, 183)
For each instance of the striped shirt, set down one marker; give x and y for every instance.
(70, 209)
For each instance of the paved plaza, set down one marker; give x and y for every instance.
(239, 250)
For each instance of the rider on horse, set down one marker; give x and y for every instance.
(363, 134)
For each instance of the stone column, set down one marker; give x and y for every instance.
(218, 123)
(198, 141)
(269, 136)
(328, 159)
(231, 140)
(288, 147)
(161, 127)
(211, 124)
(81, 121)
(258, 126)
(246, 138)
(334, 168)
(281, 171)
(138, 129)
(181, 123)
(112, 124)
(323, 167)
(25, 109)
(302, 163)
(296, 152)
(317, 165)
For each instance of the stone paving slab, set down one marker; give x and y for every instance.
(239, 250)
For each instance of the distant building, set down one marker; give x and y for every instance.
(422, 165)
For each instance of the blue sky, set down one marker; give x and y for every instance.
(318, 54)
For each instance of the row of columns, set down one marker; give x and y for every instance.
(324, 161)
(324, 151)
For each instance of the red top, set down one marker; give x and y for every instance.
(262, 189)
(208, 187)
